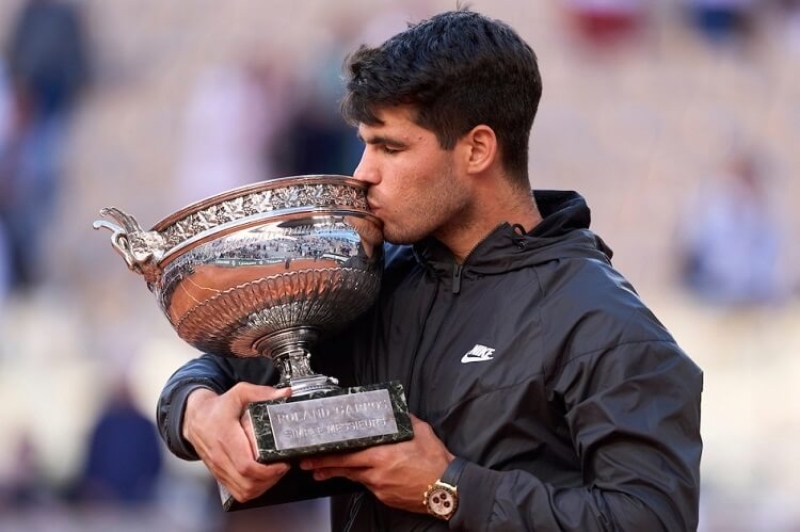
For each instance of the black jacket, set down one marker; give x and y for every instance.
(584, 416)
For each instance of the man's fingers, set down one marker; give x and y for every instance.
(363, 458)
(252, 482)
(350, 473)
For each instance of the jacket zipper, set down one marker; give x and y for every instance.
(459, 267)
(457, 278)
(412, 376)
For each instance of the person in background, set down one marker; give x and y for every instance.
(48, 70)
(726, 22)
(730, 238)
(124, 459)
(6, 120)
(545, 394)
(233, 113)
(607, 23)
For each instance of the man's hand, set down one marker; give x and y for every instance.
(213, 425)
(397, 473)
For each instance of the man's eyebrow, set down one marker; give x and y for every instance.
(378, 139)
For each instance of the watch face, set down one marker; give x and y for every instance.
(441, 501)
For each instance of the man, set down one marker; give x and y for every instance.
(48, 69)
(546, 395)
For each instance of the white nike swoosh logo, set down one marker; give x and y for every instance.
(475, 358)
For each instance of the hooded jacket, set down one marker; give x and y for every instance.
(536, 362)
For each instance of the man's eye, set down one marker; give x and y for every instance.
(388, 149)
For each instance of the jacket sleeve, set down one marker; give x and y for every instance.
(208, 371)
(633, 412)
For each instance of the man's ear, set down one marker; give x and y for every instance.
(481, 149)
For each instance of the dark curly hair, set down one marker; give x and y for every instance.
(456, 70)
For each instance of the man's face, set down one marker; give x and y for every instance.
(415, 187)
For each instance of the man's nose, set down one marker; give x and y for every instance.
(366, 171)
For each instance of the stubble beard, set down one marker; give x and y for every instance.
(434, 218)
(436, 212)
(400, 236)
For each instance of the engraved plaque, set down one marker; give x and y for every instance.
(347, 419)
(318, 421)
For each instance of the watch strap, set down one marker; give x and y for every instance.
(452, 474)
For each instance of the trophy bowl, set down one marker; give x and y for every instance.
(265, 270)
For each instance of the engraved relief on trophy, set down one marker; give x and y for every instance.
(259, 259)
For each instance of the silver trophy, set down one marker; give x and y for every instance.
(266, 270)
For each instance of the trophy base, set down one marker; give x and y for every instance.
(324, 422)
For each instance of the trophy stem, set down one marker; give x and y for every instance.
(289, 351)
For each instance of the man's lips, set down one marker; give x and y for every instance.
(373, 209)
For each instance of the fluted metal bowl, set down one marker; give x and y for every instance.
(260, 270)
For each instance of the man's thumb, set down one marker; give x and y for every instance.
(252, 393)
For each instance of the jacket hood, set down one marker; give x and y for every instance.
(563, 233)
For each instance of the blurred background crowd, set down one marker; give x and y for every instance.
(679, 120)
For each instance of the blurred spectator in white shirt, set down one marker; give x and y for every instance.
(232, 115)
(731, 242)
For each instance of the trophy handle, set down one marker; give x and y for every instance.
(141, 249)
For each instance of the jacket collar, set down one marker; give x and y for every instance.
(562, 233)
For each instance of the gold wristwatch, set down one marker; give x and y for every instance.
(441, 497)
